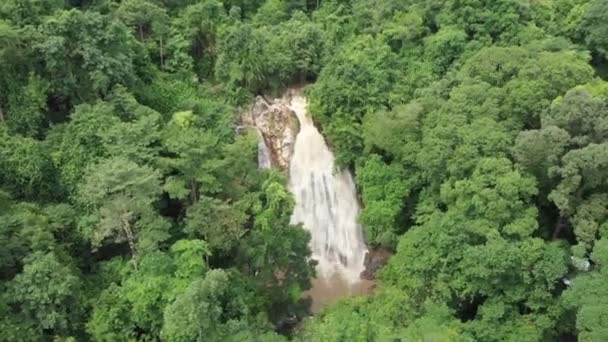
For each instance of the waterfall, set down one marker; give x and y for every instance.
(326, 202)
(264, 161)
(263, 152)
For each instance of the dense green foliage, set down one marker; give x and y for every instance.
(131, 210)
(478, 133)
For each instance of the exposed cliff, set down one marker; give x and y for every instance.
(279, 126)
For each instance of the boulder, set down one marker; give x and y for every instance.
(278, 125)
(374, 260)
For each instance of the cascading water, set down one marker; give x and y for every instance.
(263, 152)
(326, 204)
(264, 160)
(325, 200)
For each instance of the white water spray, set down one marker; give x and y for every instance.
(326, 202)
(263, 152)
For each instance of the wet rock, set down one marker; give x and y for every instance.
(278, 125)
(374, 260)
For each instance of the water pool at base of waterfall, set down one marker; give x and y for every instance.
(326, 291)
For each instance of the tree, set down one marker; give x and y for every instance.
(138, 135)
(396, 132)
(473, 254)
(194, 158)
(582, 115)
(200, 23)
(46, 293)
(14, 250)
(496, 21)
(582, 174)
(357, 80)
(26, 168)
(587, 296)
(145, 17)
(118, 127)
(84, 54)
(590, 221)
(8, 39)
(571, 130)
(240, 57)
(81, 141)
(496, 65)
(149, 21)
(358, 319)
(346, 321)
(272, 12)
(8, 35)
(275, 254)
(221, 224)
(544, 78)
(247, 8)
(26, 109)
(594, 27)
(25, 12)
(110, 319)
(540, 152)
(132, 307)
(29, 228)
(211, 310)
(10, 53)
(305, 44)
(383, 191)
(120, 195)
(406, 28)
(444, 48)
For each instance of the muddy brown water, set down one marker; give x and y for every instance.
(326, 291)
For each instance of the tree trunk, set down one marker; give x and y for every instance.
(141, 33)
(193, 191)
(561, 224)
(162, 54)
(126, 227)
(1, 115)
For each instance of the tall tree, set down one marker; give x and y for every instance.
(120, 195)
(193, 158)
(595, 28)
(26, 168)
(149, 21)
(84, 54)
(47, 295)
(275, 254)
(213, 311)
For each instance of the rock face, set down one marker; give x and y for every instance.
(374, 260)
(278, 125)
